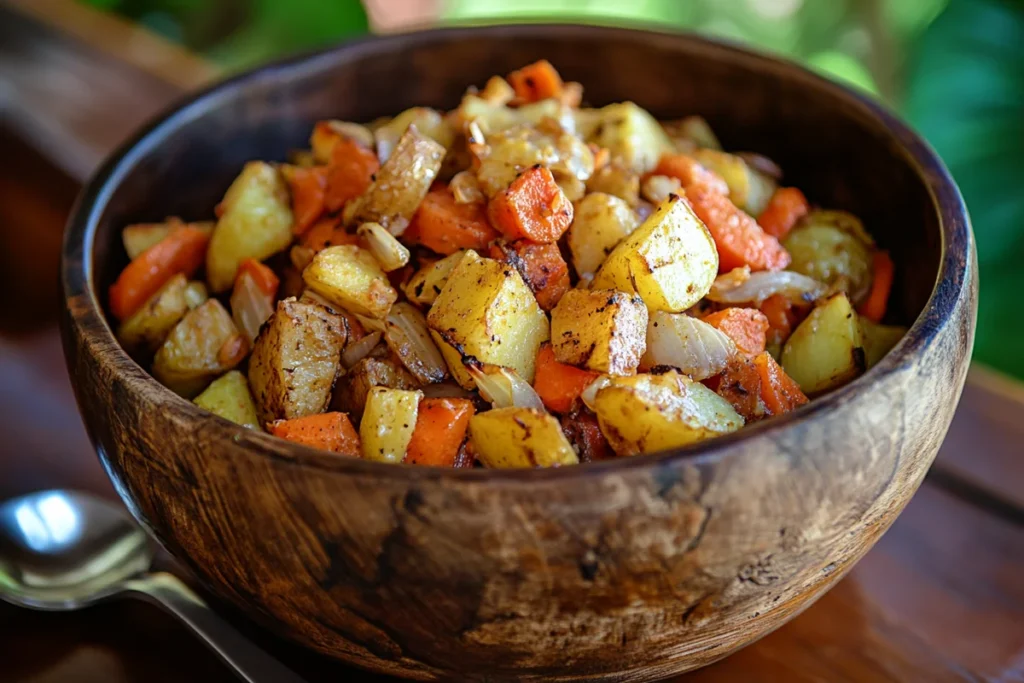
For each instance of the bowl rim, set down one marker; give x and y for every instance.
(88, 321)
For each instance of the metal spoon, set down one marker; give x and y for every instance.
(63, 550)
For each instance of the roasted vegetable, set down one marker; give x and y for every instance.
(149, 326)
(486, 312)
(180, 252)
(747, 327)
(141, 236)
(255, 222)
(832, 247)
(350, 277)
(878, 339)
(228, 396)
(408, 336)
(441, 425)
(533, 207)
(503, 387)
(326, 431)
(520, 437)
(650, 413)
(252, 299)
(670, 260)
(877, 301)
(827, 349)
(557, 384)
(424, 286)
(202, 346)
(601, 222)
(511, 152)
(428, 122)
(295, 360)
(688, 344)
(690, 133)
(446, 226)
(749, 189)
(327, 134)
(389, 252)
(617, 180)
(740, 241)
(632, 136)
(599, 329)
(388, 423)
(352, 389)
(541, 265)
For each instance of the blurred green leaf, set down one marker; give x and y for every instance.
(966, 95)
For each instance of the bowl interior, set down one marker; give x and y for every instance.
(828, 143)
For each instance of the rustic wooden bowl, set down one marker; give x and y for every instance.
(633, 569)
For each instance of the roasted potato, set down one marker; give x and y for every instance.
(516, 149)
(255, 222)
(670, 261)
(350, 277)
(599, 329)
(352, 389)
(520, 437)
(149, 326)
(651, 413)
(878, 339)
(827, 349)
(632, 136)
(141, 236)
(228, 396)
(295, 360)
(326, 135)
(485, 311)
(203, 345)
(749, 189)
(618, 181)
(601, 221)
(690, 133)
(833, 247)
(492, 117)
(427, 282)
(429, 122)
(388, 424)
(400, 184)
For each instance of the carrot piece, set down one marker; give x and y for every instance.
(445, 226)
(558, 384)
(740, 240)
(350, 172)
(327, 232)
(785, 208)
(440, 430)
(533, 207)
(779, 392)
(584, 433)
(689, 171)
(541, 265)
(873, 307)
(309, 188)
(535, 82)
(740, 385)
(778, 310)
(326, 431)
(748, 327)
(182, 251)
(261, 274)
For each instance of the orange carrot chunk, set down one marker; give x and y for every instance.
(440, 430)
(350, 172)
(262, 275)
(309, 188)
(558, 384)
(785, 208)
(873, 308)
(541, 265)
(584, 433)
(326, 431)
(740, 240)
(445, 226)
(779, 393)
(740, 385)
(748, 327)
(689, 171)
(182, 251)
(533, 207)
(327, 232)
(535, 82)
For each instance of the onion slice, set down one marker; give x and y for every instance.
(250, 306)
(407, 334)
(693, 346)
(503, 387)
(740, 286)
(360, 349)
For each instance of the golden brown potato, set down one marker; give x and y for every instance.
(228, 396)
(149, 326)
(600, 222)
(352, 389)
(203, 345)
(833, 247)
(429, 122)
(388, 423)
(671, 260)
(400, 185)
(599, 329)
(618, 181)
(651, 413)
(516, 149)
(827, 349)
(351, 278)
(632, 136)
(255, 222)
(690, 133)
(295, 361)
(427, 282)
(487, 312)
(520, 437)
(879, 339)
(749, 189)
(141, 236)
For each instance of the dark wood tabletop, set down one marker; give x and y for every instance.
(940, 598)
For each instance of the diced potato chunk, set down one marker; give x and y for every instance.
(749, 189)
(618, 181)
(879, 339)
(427, 282)
(514, 150)
(255, 222)
(149, 326)
(229, 397)
(599, 329)
(601, 222)
(429, 122)
(295, 360)
(827, 349)
(520, 437)
(671, 260)
(485, 311)
(632, 136)
(833, 247)
(651, 413)
(352, 389)
(388, 423)
(351, 278)
(141, 236)
(202, 346)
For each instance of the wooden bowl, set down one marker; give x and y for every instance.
(632, 569)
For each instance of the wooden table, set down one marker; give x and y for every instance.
(940, 598)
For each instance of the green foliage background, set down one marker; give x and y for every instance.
(954, 68)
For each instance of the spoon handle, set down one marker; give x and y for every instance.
(249, 662)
